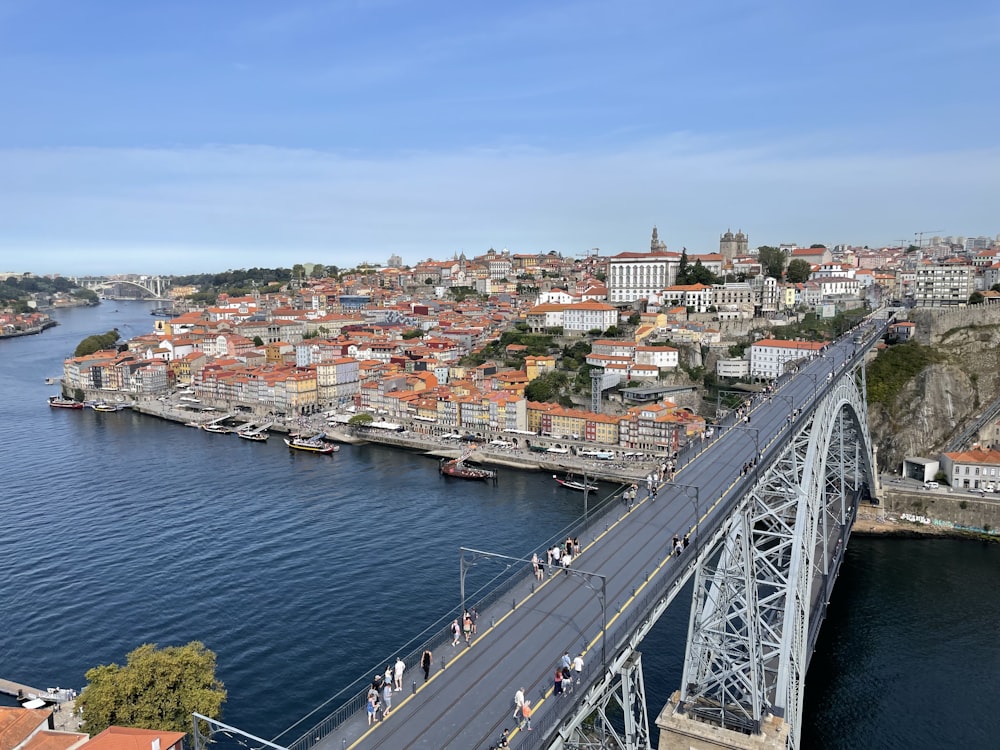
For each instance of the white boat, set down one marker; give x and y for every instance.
(573, 484)
(217, 428)
(253, 435)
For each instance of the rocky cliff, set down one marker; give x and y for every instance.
(944, 396)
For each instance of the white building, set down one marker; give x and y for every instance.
(634, 276)
(768, 356)
(948, 284)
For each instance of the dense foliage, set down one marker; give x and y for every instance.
(156, 689)
(772, 260)
(895, 367)
(798, 271)
(15, 290)
(547, 387)
(695, 273)
(235, 283)
(814, 328)
(96, 342)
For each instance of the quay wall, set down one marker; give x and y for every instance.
(944, 510)
(517, 458)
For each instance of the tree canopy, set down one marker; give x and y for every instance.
(798, 271)
(156, 689)
(772, 260)
(546, 387)
(96, 342)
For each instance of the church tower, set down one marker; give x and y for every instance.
(655, 245)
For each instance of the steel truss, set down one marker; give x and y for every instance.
(757, 609)
(619, 717)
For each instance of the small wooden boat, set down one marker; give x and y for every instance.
(217, 429)
(101, 406)
(457, 468)
(57, 402)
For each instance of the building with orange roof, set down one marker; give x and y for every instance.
(134, 738)
(974, 469)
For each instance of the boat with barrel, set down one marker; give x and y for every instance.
(458, 468)
(315, 444)
(571, 483)
(58, 402)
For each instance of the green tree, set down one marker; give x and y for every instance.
(258, 341)
(546, 387)
(798, 271)
(96, 343)
(772, 260)
(634, 319)
(682, 268)
(976, 298)
(361, 420)
(817, 246)
(413, 333)
(156, 689)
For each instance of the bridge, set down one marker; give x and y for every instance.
(767, 506)
(140, 287)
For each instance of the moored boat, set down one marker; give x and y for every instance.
(311, 445)
(217, 429)
(258, 436)
(101, 406)
(574, 484)
(457, 468)
(59, 402)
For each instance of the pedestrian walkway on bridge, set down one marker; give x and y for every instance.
(627, 568)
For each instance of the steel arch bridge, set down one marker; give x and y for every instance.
(759, 605)
(763, 575)
(768, 503)
(149, 287)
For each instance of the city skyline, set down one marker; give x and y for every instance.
(186, 138)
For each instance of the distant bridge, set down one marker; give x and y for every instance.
(142, 287)
(768, 504)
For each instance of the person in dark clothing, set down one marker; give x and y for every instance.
(425, 662)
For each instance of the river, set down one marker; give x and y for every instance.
(304, 572)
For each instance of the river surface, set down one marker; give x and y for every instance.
(303, 573)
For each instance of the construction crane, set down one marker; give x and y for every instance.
(920, 235)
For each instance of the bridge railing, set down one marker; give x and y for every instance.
(355, 695)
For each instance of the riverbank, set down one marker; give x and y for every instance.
(30, 331)
(431, 445)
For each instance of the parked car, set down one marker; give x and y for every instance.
(931, 485)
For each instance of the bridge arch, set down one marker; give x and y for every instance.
(759, 603)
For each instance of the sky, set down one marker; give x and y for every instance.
(199, 136)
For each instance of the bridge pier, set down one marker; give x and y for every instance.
(682, 731)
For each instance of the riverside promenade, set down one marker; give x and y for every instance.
(421, 438)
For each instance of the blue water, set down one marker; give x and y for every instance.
(304, 573)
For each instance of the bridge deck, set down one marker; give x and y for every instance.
(468, 700)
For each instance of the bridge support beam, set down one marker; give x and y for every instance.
(682, 731)
(621, 720)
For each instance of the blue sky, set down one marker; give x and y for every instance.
(184, 136)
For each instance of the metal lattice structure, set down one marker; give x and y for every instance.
(758, 604)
